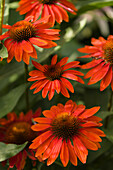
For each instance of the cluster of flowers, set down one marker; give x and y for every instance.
(67, 130)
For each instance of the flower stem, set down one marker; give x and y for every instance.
(109, 108)
(27, 89)
(2, 15)
(110, 102)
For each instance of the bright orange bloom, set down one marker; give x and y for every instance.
(23, 35)
(16, 130)
(55, 8)
(1, 59)
(53, 77)
(102, 63)
(68, 130)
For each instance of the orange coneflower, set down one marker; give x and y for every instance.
(102, 63)
(23, 35)
(14, 130)
(68, 131)
(55, 8)
(54, 77)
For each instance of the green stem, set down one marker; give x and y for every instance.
(27, 89)
(2, 15)
(109, 108)
(110, 102)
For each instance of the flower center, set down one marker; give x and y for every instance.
(47, 1)
(108, 51)
(53, 72)
(22, 30)
(65, 126)
(19, 133)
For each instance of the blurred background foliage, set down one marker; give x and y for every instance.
(94, 18)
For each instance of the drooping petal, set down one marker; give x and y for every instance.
(52, 91)
(40, 139)
(89, 144)
(43, 146)
(46, 89)
(64, 154)
(91, 136)
(55, 152)
(99, 74)
(91, 64)
(57, 13)
(38, 41)
(94, 70)
(48, 151)
(27, 46)
(106, 80)
(67, 84)
(57, 86)
(72, 155)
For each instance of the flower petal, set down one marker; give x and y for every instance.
(64, 154)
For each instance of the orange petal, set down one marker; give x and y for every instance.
(54, 60)
(40, 127)
(55, 152)
(64, 154)
(106, 80)
(72, 155)
(40, 139)
(38, 41)
(48, 151)
(89, 144)
(89, 112)
(41, 149)
(99, 74)
(42, 120)
(80, 108)
(91, 136)
(27, 46)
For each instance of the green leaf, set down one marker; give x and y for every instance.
(9, 101)
(85, 6)
(105, 145)
(109, 134)
(10, 71)
(104, 114)
(3, 51)
(9, 150)
(71, 32)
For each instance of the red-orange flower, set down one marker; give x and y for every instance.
(16, 130)
(55, 8)
(23, 35)
(102, 63)
(68, 130)
(53, 77)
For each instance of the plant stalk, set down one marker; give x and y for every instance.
(109, 108)
(2, 15)
(27, 89)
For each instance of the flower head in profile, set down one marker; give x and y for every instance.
(21, 37)
(102, 64)
(69, 131)
(17, 130)
(54, 77)
(55, 8)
